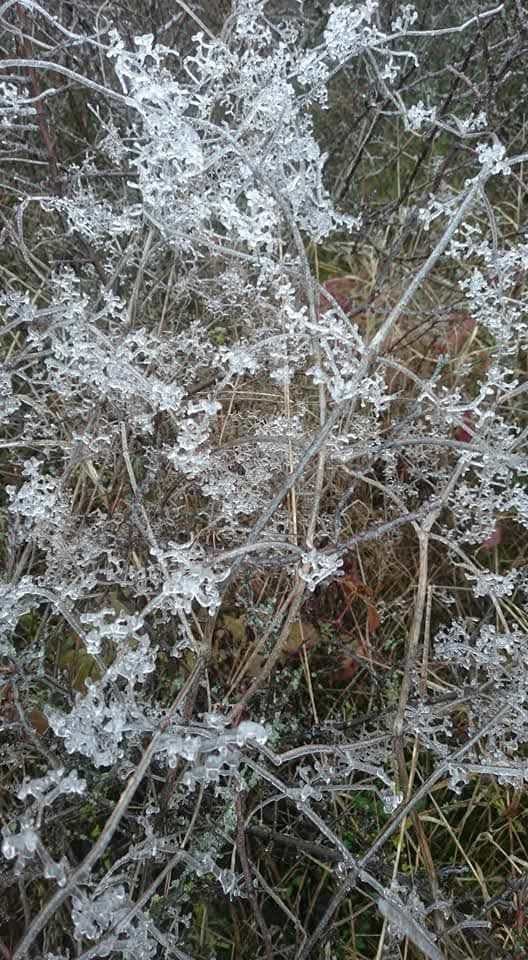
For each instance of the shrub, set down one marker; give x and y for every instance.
(263, 356)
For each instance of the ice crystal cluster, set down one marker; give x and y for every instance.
(187, 432)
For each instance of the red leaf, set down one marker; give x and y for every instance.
(493, 540)
(349, 667)
(339, 288)
(460, 328)
(463, 435)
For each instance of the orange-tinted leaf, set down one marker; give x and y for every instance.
(350, 586)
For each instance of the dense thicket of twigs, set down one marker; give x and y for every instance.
(263, 641)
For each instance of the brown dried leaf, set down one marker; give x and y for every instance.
(38, 722)
(373, 618)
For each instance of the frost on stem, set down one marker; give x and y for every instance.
(16, 600)
(94, 915)
(99, 724)
(187, 579)
(47, 789)
(496, 663)
(318, 566)
(214, 752)
(223, 182)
